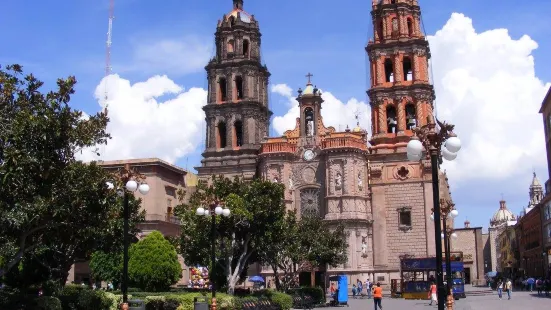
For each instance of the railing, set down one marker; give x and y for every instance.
(278, 147)
(344, 142)
(162, 218)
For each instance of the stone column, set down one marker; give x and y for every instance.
(385, 27)
(419, 110)
(246, 79)
(380, 255)
(401, 114)
(401, 31)
(347, 181)
(229, 132)
(212, 132)
(415, 65)
(382, 118)
(398, 74)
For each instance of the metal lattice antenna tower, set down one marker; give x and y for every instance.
(108, 67)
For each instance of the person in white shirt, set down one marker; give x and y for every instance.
(368, 287)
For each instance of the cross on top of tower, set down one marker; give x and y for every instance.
(309, 76)
(238, 4)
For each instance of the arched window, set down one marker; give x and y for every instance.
(221, 135)
(309, 121)
(380, 30)
(239, 87)
(406, 69)
(410, 27)
(246, 48)
(231, 45)
(389, 70)
(411, 119)
(222, 89)
(391, 119)
(238, 133)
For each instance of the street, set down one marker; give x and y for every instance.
(482, 300)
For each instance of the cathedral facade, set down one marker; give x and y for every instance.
(364, 181)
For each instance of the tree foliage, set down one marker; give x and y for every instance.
(53, 208)
(304, 244)
(257, 209)
(153, 264)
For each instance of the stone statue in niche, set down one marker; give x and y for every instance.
(338, 181)
(310, 128)
(275, 180)
(360, 181)
(290, 184)
(364, 246)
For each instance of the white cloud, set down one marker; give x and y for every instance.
(334, 112)
(176, 57)
(486, 85)
(141, 126)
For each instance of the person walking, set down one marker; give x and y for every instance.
(368, 288)
(499, 288)
(432, 293)
(378, 296)
(508, 288)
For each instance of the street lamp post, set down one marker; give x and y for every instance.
(437, 142)
(213, 209)
(447, 209)
(132, 181)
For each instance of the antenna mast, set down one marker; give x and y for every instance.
(108, 67)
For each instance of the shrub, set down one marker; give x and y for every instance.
(154, 302)
(285, 301)
(46, 303)
(316, 293)
(153, 264)
(90, 299)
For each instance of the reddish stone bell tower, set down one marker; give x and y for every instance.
(401, 95)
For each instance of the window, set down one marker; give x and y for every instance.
(222, 89)
(389, 70)
(411, 120)
(238, 133)
(239, 87)
(246, 48)
(405, 218)
(231, 45)
(410, 27)
(406, 66)
(221, 137)
(170, 191)
(391, 119)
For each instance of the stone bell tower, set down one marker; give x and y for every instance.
(237, 114)
(401, 98)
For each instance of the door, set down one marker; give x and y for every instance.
(467, 275)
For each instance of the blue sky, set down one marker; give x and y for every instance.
(61, 37)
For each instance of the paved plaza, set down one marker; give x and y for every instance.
(519, 300)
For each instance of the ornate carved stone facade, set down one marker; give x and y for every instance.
(384, 200)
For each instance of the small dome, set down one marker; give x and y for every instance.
(535, 182)
(308, 90)
(502, 215)
(243, 16)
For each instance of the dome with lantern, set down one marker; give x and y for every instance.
(502, 216)
(238, 13)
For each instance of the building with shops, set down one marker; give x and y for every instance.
(470, 242)
(384, 200)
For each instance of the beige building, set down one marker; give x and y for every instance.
(470, 242)
(165, 181)
(502, 219)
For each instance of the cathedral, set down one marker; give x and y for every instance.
(364, 181)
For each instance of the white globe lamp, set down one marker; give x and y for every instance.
(432, 217)
(131, 186)
(454, 236)
(143, 189)
(218, 210)
(453, 144)
(414, 157)
(207, 212)
(109, 185)
(442, 235)
(226, 212)
(200, 211)
(415, 147)
(454, 213)
(449, 156)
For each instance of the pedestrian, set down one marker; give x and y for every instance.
(499, 288)
(368, 288)
(432, 293)
(378, 296)
(508, 288)
(354, 290)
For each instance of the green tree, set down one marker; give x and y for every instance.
(106, 267)
(255, 206)
(153, 264)
(54, 209)
(304, 244)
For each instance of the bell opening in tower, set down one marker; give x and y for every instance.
(411, 121)
(239, 87)
(410, 27)
(380, 30)
(309, 121)
(221, 136)
(389, 71)
(246, 48)
(406, 66)
(231, 45)
(391, 119)
(222, 90)
(238, 133)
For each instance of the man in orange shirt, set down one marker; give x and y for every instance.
(378, 296)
